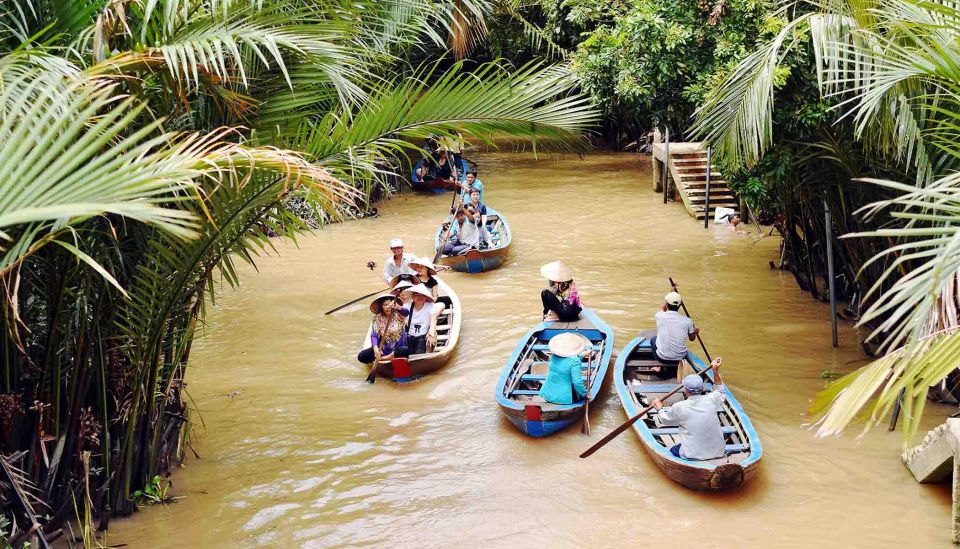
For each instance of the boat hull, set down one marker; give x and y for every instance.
(744, 449)
(517, 389)
(479, 261)
(435, 185)
(417, 366)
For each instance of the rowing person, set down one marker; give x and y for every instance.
(422, 322)
(398, 262)
(561, 300)
(469, 184)
(564, 383)
(389, 324)
(701, 435)
(673, 330)
(464, 234)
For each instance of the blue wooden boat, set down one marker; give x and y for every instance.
(639, 381)
(436, 185)
(518, 390)
(486, 259)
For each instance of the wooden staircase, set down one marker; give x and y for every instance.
(688, 175)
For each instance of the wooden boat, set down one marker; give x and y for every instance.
(518, 390)
(639, 382)
(478, 261)
(435, 185)
(448, 333)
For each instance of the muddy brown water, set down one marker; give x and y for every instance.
(296, 451)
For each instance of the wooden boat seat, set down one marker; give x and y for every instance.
(534, 377)
(546, 347)
(733, 448)
(669, 431)
(654, 387)
(521, 392)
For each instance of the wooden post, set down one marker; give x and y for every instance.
(666, 167)
(830, 274)
(956, 500)
(706, 202)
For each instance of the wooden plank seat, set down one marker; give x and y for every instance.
(546, 347)
(654, 387)
(521, 392)
(666, 431)
(534, 377)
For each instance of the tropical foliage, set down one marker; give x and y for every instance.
(887, 69)
(145, 148)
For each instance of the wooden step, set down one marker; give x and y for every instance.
(703, 184)
(721, 199)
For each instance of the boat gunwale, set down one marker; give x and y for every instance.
(627, 400)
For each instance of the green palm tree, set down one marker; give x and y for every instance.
(146, 146)
(889, 69)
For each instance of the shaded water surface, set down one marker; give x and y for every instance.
(296, 451)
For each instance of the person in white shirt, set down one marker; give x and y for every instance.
(464, 234)
(701, 435)
(673, 330)
(397, 263)
(422, 322)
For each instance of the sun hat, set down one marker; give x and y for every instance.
(396, 243)
(423, 262)
(418, 289)
(568, 344)
(673, 298)
(556, 272)
(401, 287)
(693, 383)
(404, 277)
(376, 307)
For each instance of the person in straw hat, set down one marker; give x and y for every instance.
(673, 330)
(425, 270)
(564, 383)
(389, 325)
(400, 286)
(422, 322)
(561, 300)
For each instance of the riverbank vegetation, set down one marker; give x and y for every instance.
(145, 148)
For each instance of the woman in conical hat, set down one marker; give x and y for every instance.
(424, 315)
(425, 270)
(561, 300)
(388, 336)
(564, 383)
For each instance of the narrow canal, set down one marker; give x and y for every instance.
(295, 450)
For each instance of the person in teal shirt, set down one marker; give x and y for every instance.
(565, 376)
(470, 183)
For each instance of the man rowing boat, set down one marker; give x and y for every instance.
(701, 435)
(673, 329)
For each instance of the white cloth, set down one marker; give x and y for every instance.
(467, 234)
(701, 435)
(390, 268)
(420, 320)
(673, 330)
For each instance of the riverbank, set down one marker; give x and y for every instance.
(297, 451)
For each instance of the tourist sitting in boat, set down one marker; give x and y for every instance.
(464, 233)
(564, 383)
(481, 210)
(561, 300)
(701, 435)
(422, 322)
(389, 325)
(425, 271)
(398, 262)
(403, 284)
(669, 346)
(469, 184)
(439, 168)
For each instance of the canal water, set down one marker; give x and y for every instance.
(296, 451)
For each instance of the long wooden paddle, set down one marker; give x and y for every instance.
(616, 432)
(585, 428)
(686, 312)
(372, 378)
(370, 265)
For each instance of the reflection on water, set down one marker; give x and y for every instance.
(309, 455)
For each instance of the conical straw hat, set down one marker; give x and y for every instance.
(418, 289)
(556, 272)
(422, 261)
(568, 344)
(376, 307)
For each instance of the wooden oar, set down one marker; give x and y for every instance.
(686, 312)
(585, 428)
(370, 265)
(372, 378)
(616, 432)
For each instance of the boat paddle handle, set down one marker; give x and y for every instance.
(626, 425)
(686, 312)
